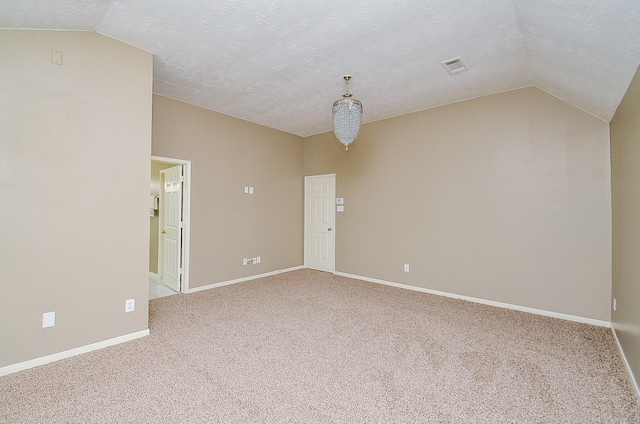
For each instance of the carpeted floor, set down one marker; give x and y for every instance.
(311, 347)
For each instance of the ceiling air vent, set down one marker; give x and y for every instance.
(455, 65)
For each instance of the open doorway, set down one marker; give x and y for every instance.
(168, 235)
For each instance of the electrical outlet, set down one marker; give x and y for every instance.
(129, 305)
(258, 259)
(406, 267)
(250, 190)
(615, 304)
(48, 319)
(245, 261)
(254, 261)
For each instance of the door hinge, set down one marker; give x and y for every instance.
(181, 178)
(180, 271)
(180, 224)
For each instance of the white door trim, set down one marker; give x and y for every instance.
(332, 247)
(186, 214)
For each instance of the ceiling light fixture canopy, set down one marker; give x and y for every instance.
(347, 117)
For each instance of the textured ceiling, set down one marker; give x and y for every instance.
(280, 62)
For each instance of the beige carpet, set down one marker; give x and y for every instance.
(310, 347)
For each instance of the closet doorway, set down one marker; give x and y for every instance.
(169, 226)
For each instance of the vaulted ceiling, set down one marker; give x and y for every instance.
(280, 62)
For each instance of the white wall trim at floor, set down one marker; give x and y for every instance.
(626, 362)
(240, 280)
(154, 277)
(567, 317)
(10, 369)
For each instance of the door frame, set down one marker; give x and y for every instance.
(333, 209)
(186, 216)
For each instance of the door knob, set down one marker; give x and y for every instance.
(329, 229)
(164, 232)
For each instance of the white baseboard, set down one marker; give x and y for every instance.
(10, 369)
(240, 280)
(153, 276)
(567, 317)
(626, 362)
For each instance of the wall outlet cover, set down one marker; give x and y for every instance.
(129, 305)
(48, 319)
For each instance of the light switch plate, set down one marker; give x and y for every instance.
(340, 201)
(56, 57)
(340, 208)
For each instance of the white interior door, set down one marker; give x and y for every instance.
(171, 225)
(319, 222)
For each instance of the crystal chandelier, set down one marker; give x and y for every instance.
(347, 117)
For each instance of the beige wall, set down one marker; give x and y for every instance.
(227, 225)
(504, 198)
(625, 177)
(74, 184)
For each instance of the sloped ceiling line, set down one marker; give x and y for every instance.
(280, 63)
